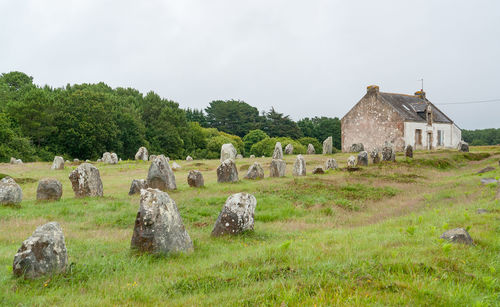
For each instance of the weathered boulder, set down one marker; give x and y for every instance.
(277, 168)
(239, 156)
(388, 154)
(175, 166)
(331, 163)
(236, 216)
(409, 151)
(457, 235)
(160, 175)
(189, 158)
(15, 161)
(10, 192)
(137, 185)
(375, 155)
(67, 161)
(43, 253)
(152, 157)
(299, 167)
(99, 160)
(49, 189)
(58, 163)
(86, 181)
(362, 158)
(278, 151)
(87, 161)
(75, 160)
(255, 171)
(357, 147)
(463, 146)
(109, 158)
(227, 151)
(289, 149)
(318, 170)
(328, 146)
(142, 154)
(227, 171)
(158, 225)
(488, 180)
(252, 156)
(351, 162)
(486, 169)
(310, 149)
(195, 179)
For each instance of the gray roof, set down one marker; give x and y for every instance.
(412, 108)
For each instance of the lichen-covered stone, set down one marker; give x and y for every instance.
(142, 154)
(388, 154)
(255, 171)
(310, 149)
(236, 216)
(463, 146)
(42, 254)
(137, 185)
(289, 149)
(362, 158)
(488, 180)
(176, 166)
(457, 235)
(328, 146)
(158, 225)
(331, 163)
(10, 192)
(110, 158)
(227, 171)
(86, 181)
(375, 156)
(278, 151)
(189, 158)
(58, 163)
(252, 156)
(227, 151)
(409, 151)
(49, 189)
(160, 175)
(15, 161)
(357, 147)
(351, 162)
(195, 179)
(277, 168)
(299, 167)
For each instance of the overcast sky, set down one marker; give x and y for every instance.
(304, 58)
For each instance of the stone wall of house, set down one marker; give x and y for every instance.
(372, 123)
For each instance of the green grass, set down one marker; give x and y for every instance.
(363, 238)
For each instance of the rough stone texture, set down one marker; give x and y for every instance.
(86, 181)
(158, 226)
(58, 163)
(328, 146)
(189, 158)
(41, 254)
(98, 160)
(227, 171)
(463, 146)
(299, 167)
(277, 168)
(318, 170)
(176, 166)
(351, 162)
(357, 147)
(486, 169)
(409, 151)
(310, 149)
(10, 192)
(15, 161)
(109, 158)
(239, 156)
(195, 179)
(388, 154)
(289, 149)
(255, 171)
(362, 158)
(331, 163)
(49, 189)
(137, 185)
(152, 158)
(160, 175)
(67, 161)
(142, 154)
(236, 216)
(457, 235)
(227, 151)
(488, 180)
(375, 155)
(252, 156)
(278, 151)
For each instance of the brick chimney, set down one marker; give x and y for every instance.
(372, 89)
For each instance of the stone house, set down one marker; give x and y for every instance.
(399, 119)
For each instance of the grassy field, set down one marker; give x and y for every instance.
(369, 237)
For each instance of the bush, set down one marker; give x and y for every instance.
(266, 146)
(252, 137)
(309, 140)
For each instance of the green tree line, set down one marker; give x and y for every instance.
(482, 137)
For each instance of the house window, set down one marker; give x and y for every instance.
(440, 140)
(418, 136)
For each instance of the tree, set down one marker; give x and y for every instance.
(232, 116)
(252, 137)
(320, 128)
(277, 125)
(12, 144)
(194, 115)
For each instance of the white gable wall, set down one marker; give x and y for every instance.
(451, 134)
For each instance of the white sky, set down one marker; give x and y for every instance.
(305, 58)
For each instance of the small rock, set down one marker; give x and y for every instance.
(142, 154)
(409, 151)
(289, 149)
(58, 163)
(310, 149)
(137, 185)
(278, 151)
(195, 179)
(15, 161)
(10, 192)
(463, 146)
(362, 158)
(357, 147)
(331, 163)
(189, 158)
(388, 154)
(239, 156)
(227, 151)
(252, 156)
(43, 253)
(488, 180)
(277, 168)
(318, 170)
(481, 211)
(49, 189)
(236, 216)
(76, 161)
(99, 160)
(375, 155)
(86, 181)
(351, 162)
(227, 171)
(457, 235)
(160, 175)
(152, 158)
(110, 158)
(175, 166)
(67, 161)
(328, 146)
(299, 168)
(255, 171)
(486, 169)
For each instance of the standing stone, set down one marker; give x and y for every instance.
(236, 216)
(87, 161)
(227, 151)
(99, 160)
(409, 151)
(277, 168)
(299, 168)
(289, 149)
(278, 151)
(110, 158)
(42, 254)
(328, 146)
(227, 171)
(158, 226)
(463, 146)
(310, 149)
(137, 185)
(58, 163)
(75, 160)
(255, 171)
(252, 156)
(152, 157)
(457, 235)
(331, 163)
(357, 147)
(160, 175)
(86, 181)
(49, 189)
(239, 156)
(67, 161)
(351, 162)
(10, 192)
(388, 154)
(195, 179)
(189, 158)
(362, 158)
(318, 170)
(142, 154)
(114, 158)
(375, 155)
(176, 166)
(15, 161)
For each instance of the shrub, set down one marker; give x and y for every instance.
(266, 146)
(309, 140)
(252, 137)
